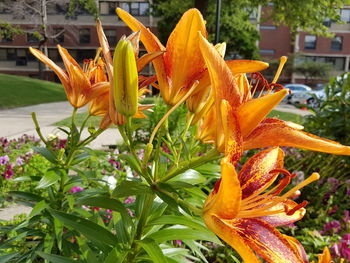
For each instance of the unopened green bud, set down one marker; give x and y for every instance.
(125, 90)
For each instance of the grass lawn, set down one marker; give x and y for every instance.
(19, 91)
(95, 121)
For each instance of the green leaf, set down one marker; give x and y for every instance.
(127, 188)
(55, 258)
(131, 161)
(38, 208)
(153, 250)
(177, 220)
(89, 229)
(81, 157)
(182, 234)
(6, 258)
(115, 257)
(190, 176)
(22, 179)
(25, 195)
(50, 156)
(48, 179)
(105, 202)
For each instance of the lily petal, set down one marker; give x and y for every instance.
(256, 174)
(182, 52)
(266, 240)
(246, 66)
(225, 201)
(251, 113)
(325, 257)
(147, 58)
(151, 43)
(232, 136)
(227, 232)
(283, 218)
(272, 132)
(221, 77)
(296, 244)
(59, 72)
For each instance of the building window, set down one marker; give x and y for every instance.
(6, 39)
(32, 38)
(111, 36)
(268, 27)
(337, 43)
(58, 34)
(53, 55)
(144, 9)
(338, 63)
(3, 54)
(82, 54)
(21, 57)
(136, 8)
(267, 51)
(84, 36)
(11, 54)
(345, 15)
(107, 8)
(310, 42)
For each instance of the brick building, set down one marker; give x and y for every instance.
(276, 41)
(77, 34)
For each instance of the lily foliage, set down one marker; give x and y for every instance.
(156, 203)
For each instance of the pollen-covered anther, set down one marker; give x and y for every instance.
(290, 212)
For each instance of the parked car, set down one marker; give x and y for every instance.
(309, 97)
(294, 89)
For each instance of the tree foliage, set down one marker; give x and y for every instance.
(238, 30)
(312, 69)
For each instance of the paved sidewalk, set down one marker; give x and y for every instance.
(15, 122)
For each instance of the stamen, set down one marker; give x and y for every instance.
(296, 208)
(283, 61)
(97, 54)
(310, 179)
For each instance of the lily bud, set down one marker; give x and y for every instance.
(125, 89)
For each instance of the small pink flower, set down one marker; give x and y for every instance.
(76, 189)
(178, 242)
(131, 213)
(345, 253)
(335, 250)
(129, 200)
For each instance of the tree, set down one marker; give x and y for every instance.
(34, 12)
(237, 29)
(312, 70)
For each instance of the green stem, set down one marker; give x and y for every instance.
(84, 122)
(195, 162)
(90, 138)
(184, 137)
(37, 128)
(166, 115)
(147, 205)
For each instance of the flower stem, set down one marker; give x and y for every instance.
(166, 115)
(37, 128)
(195, 162)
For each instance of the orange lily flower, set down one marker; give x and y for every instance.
(182, 63)
(325, 257)
(248, 114)
(79, 83)
(107, 108)
(244, 208)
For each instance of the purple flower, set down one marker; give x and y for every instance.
(114, 163)
(131, 213)
(346, 238)
(346, 217)
(348, 191)
(335, 250)
(345, 253)
(19, 161)
(4, 160)
(334, 183)
(333, 226)
(76, 189)
(8, 171)
(129, 200)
